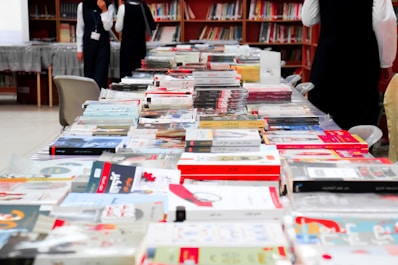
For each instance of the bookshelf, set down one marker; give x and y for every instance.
(242, 20)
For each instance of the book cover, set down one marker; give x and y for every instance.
(120, 213)
(302, 139)
(34, 193)
(209, 202)
(327, 202)
(232, 121)
(86, 145)
(77, 244)
(18, 217)
(108, 177)
(204, 242)
(221, 149)
(344, 229)
(105, 199)
(156, 160)
(342, 255)
(341, 177)
(25, 169)
(240, 163)
(222, 137)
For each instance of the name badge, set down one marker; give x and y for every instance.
(95, 35)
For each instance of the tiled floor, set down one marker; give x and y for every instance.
(24, 129)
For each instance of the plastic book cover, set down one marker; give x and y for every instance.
(209, 202)
(302, 139)
(371, 203)
(262, 162)
(343, 255)
(345, 229)
(25, 169)
(222, 137)
(341, 177)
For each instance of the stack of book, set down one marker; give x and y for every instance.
(261, 165)
(268, 93)
(201, 140)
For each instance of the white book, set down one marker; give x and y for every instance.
(210, 202)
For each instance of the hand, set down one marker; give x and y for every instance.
(80, 56)
(384, 79)
(102, 5)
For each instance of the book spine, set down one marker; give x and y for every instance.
(221, 149)
(229, 169)
(344, 186)
(54, 150)
(272, 178)
(232, 124)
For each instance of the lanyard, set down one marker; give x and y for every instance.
(95, 18)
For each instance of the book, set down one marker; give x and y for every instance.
(210, 202)
(77, 244)
(331, 202)
(344, 229)
(342, 255)
(341, 177)
(225, 243)
(260, 163)
(166, 160)
(34, 193)
(120, 213)
(232, 122)
(19, 217)
(25, 169)
(98, 130)
(77, 199)
(221, 149)
(222, 137)
(302, 139)
(108, 177)
(86, 145)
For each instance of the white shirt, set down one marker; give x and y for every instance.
(384, 25)
(106, 18)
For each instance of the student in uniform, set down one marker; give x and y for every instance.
(131, 22)
(94, 21)
(354, 57)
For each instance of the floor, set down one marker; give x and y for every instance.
(24, 129)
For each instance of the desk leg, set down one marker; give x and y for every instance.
(38, 89)
(50, 87)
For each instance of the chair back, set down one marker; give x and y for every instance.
(370, 133)
(391, 112)
(73, 91)
(304, 88)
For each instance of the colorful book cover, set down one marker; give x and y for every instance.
(204, 242)
(345, 229)
(302, 139)
(18, 217)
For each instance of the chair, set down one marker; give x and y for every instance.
(304, 88)
(391, 112)
(73, 91)
(370, 133)
(293, 79)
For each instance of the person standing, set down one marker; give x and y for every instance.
(94, 21)
(133, 25)
(353, 61)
